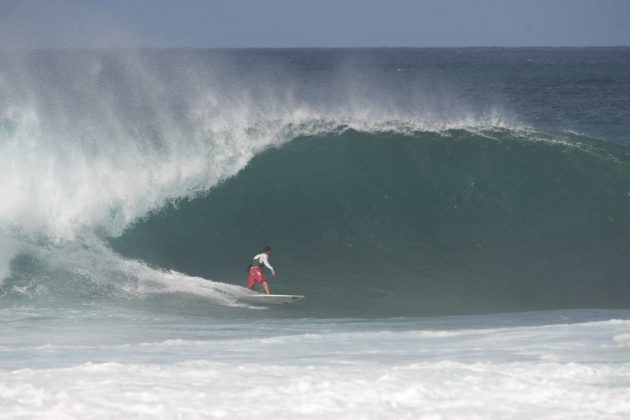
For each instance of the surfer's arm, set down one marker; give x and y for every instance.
(265, 260)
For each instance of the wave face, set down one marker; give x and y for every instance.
(389, 182)
(457, 221)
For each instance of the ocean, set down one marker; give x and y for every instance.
(458, 220)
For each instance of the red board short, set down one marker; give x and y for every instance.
(255, 276)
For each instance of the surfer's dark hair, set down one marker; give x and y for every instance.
(267, 248)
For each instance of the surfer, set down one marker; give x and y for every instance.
(256, 274)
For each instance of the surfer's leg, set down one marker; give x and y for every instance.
(265, 286)
(252, 278)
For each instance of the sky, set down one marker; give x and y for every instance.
(312, 23)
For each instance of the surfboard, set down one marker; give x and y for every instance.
(262, 299)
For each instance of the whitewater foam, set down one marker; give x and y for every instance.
(97, 270)
(419, 390)
(623, 339)
(348, 369)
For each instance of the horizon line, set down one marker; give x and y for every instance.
(104, 48)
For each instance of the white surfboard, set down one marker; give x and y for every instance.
(262, 299)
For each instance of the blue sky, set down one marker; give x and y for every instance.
(313, 23)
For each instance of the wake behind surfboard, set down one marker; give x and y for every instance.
(262, 299)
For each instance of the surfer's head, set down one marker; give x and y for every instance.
(267, 249)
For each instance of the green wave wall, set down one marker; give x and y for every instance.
(419, 223)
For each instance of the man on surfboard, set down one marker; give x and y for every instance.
(256, 275)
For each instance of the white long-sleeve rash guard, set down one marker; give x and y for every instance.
(264, 259)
